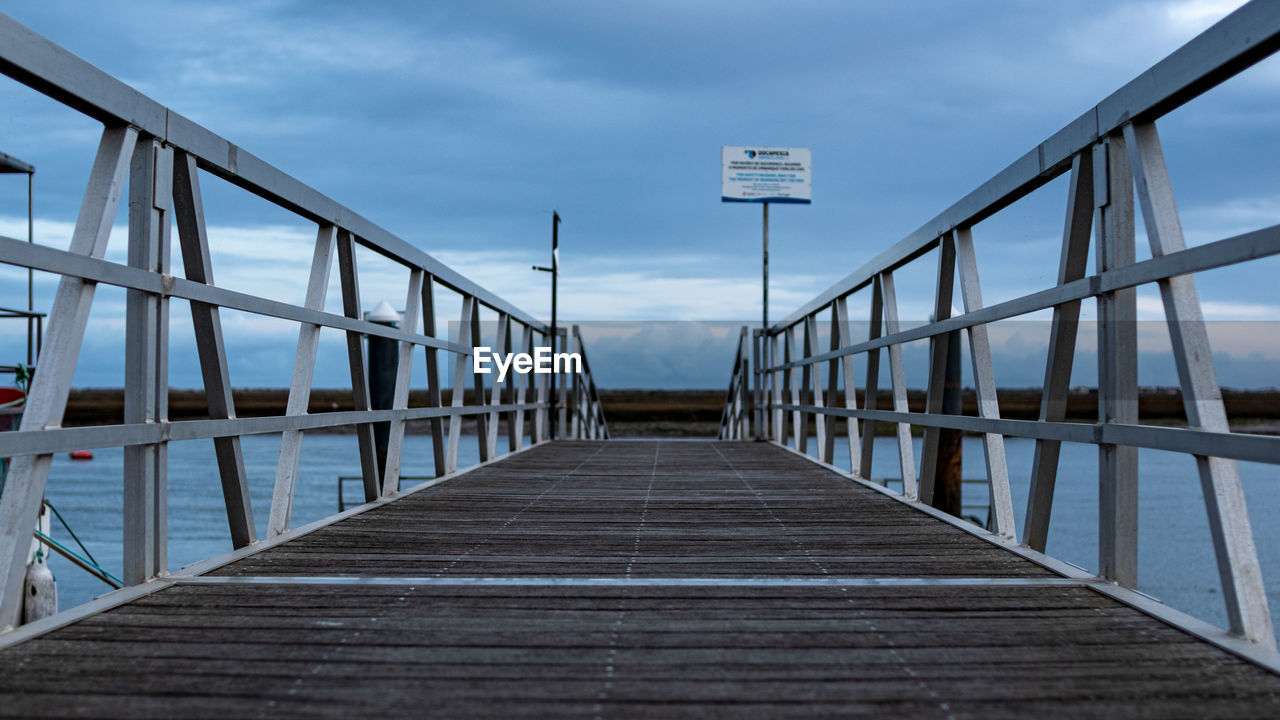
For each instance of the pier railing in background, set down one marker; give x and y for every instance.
(1108, 152)
(588, 411)
(734, 424)
(159, 157)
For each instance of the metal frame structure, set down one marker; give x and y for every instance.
(588, 411)
(10, 165)
(158, 157)
(734, 424)
(1108, 152)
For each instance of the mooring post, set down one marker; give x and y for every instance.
(384, 358)
(948, 484)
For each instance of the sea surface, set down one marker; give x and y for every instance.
(1176, 559)
(89, 495)
(1175, 552)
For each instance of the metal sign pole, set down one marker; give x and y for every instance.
(764, 324)
(765, 316)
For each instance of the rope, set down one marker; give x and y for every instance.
(71, 532)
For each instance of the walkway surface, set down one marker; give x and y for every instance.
(624, 579)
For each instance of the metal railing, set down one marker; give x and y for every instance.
(159, 156)
(1108, 152)
(734, 420)
(588, 411)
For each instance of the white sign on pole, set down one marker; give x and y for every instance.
(765, 175)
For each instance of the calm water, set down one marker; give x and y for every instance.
(89, 496)
(1175, 554)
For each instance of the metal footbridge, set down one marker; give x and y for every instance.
(570, 574)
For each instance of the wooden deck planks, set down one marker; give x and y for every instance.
(407, 644)
(709, 509)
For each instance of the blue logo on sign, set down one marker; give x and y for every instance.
(750, 153)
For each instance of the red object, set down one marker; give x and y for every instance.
(9, 415)
(81, 455)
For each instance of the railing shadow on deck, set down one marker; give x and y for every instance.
(159, 157)
(777, 384)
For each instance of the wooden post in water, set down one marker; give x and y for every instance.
(384, 356)
(948, 485)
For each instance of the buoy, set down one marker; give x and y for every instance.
(39, 592)
(81, 455)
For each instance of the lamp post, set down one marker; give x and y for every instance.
(555, 276)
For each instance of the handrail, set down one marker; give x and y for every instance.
(157, 156)
(33, 60)
(1108, 152)
(1239, 41)
(588, 413)
(733, 420)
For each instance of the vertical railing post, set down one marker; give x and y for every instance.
(1117, 367)
(758, 415)
(477, 385)
(521, 392)
(778, 424)
(898, 378)
(870, 388)
(808, 378)
(164, 204)
(357, 363)
(502, 343)
(541, 390)
(197, 263)
(984, 382)
(575, 345)
(744, 387)
(1072, 264)
(841, 338)
(793, 385)
(828, 438)
(304, 365)
(458, 389)
(938, 349)
(400, 396)
(434, 397)
(146, 363)
(813, 389)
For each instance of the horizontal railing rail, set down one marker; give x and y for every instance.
(1108, 153)
(157, 157)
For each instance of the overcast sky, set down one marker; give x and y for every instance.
(459, 126)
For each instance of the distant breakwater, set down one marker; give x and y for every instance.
(684, 412)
